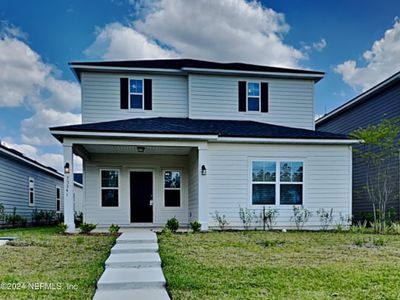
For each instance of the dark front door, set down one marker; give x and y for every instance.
(141, 197)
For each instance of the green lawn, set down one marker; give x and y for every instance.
(275, 265)
(69, 264)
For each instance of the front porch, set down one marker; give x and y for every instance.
(138, 182)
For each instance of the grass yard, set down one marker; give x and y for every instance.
(275, 265)
(72, 264)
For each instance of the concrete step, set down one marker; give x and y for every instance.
(131, 278)
(137, 238)
(139, 294)
(133, 260)
(135, 248)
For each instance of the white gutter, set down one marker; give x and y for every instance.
(136, 135)
(279, 74)
(210, 138)
(288, 141)
(358, 98)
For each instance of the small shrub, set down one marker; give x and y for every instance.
(87, 227)
(246, 216)
(14, 219)
(359, 242)
(300, 216)
(342, 222)
(78, 218)
(2, 215)
(59, 218)
(172, 224)
(378, 242)
(360, 227)
(61, 228)
(274, 243)
(195, 226)
(378, 226)
(113, 229)
(325, 218)
(268, 217)
(394, 228)
(221, 220)
(166, 231)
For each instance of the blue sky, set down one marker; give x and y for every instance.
(357, 44)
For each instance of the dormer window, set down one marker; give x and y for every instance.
(253, 96)
(136, 93)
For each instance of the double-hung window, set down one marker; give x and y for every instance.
(31, 187)
(58, 199)
(253, 96)
(109, 188)
(268, 188)
(136, 93)
(172, 188)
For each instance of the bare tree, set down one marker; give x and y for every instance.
(379, 150)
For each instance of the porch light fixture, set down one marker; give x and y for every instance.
(66, 168)
(140, 149)
(203, 170)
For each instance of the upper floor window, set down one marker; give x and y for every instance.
(31, 186)
(253, 96)
(136, 93)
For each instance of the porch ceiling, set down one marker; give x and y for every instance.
(130, 149)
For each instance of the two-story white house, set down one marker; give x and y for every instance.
(187, 138)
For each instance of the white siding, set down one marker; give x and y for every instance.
(327, 179)
(193, 186)
(101, 97)
(94, 213)
(291, 101)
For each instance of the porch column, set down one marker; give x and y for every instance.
(203, 188)
(69, 188)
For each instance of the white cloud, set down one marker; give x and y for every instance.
(35, 130)
(381, 61)
(26, 80)
(116, 41)
(226, 30)
(320, 45)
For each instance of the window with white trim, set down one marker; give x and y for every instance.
(31, 187)
(172, 188)
(136, 93)
(269, 189)
(253, 96)
(58, 199)
(109, 188)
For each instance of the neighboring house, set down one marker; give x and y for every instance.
(371, 107)
(28, 185)
(187, 138)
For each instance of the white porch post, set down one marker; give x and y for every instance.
(203, 188)
(69, 188)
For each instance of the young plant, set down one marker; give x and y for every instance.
(325, 218)
(360, 227)
(14, 219)
(195, 226)
(246, 216)
(221, 220)
(300, 216)
(87, 227)
(172, 224)
(394, 228)
(342, 222)
(268, 217)
(61, 228)
(113, 229)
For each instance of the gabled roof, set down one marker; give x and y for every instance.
(185, 126)
(360, 98)
(189, 65)
(21, 157)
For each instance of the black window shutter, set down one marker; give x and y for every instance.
(124, 93)
(147, 94)
(242, 95)
(264, 96)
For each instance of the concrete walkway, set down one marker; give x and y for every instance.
(133, 270)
